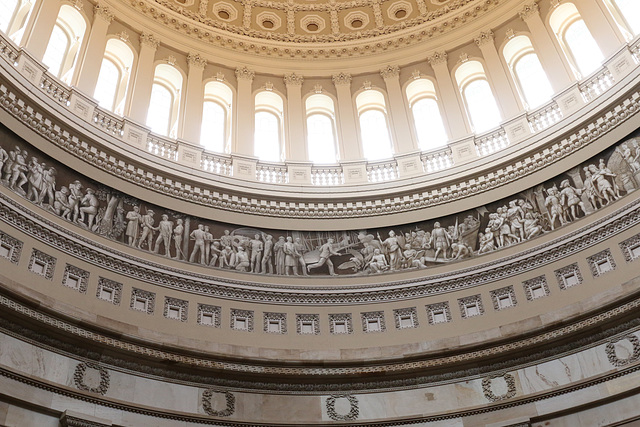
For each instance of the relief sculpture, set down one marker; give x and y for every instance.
(125, 219)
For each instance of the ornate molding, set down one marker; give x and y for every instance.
(438, 58)
(149, 40)
(484, 38)
(487, 388)
(390, 71)
(633, 357)
(354, 410)
(196, 60)
(207, 406)
(530, 10)
(341, 79)
(79, 378)
(244, 73)
(293, 79)
(103, 12)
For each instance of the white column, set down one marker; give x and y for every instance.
(404, 140)
(505, 94)
(558, 73)
(143, 79)
(452, 115)
(37, 36)
(608, 38)
(349, 142)
(194, 99)
(245, 122)
(90, 67)
(296, 148)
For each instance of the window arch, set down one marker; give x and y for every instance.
(113, 80)
(321, 129)
(8, 9)
(527, 71)
(576, 40)
(164, 104)
(477, 96)
(216, 117)
(64, 44)
(627, 14)
(374, 126)
(427, 118)
(268, 140)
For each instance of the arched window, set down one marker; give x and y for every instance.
(7, 12)
(527, 71)
(113, 80)
(164, 104)
(374, 127)
(477, 96)
(427, 119)
(321, 130)
(64, 43)
(16, 21)
(575, 39)
(268, 141)
(216, 117)
(627, 13)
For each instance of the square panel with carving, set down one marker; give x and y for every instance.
(109, 290)
(536, 288)
(340, 323)
(439, 313)
(373, 321)
(631, 248)
(242, 320)
(142, 300)
(569, 276)
(275, 323)
(406, 318)
(503, 298)
(601, 263)
(10, 248)
(471, 306)
(75, 278)
(308, 324)
(42, 264)
(176, 309)
(209, 315)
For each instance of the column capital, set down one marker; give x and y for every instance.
(245, 74)
(195, 60)
(341, 79)
(103, 12)
(293, 79)
(390, 71)
(484, 38)
(530, 10)
(147, 39)
(437, 58)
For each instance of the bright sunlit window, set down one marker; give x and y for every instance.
(56, 50)
(267, 137)
(159, 116)
(212, 131)
(107, 85)
(64, 43)
(321, 130)
(481, 104)
(428, 122)
(527, 71)
(630, 10)
(375, 135)
(7, 10)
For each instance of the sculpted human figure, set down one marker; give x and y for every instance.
(34, 179)
(392, 247)
(178, 232)
(532, 227)
(610, 176)
(411, 259)
(166, 229)
(61, 203)
(494, 224)
(487, 241)
(89, 205)
(570, 199)
(48, 186)
(18, 169)
(460, 250)
(242, 260)
(278, 249)
(4, 156)
(326, 251)
(227, 258)
(440, 240)
(267, 257)
(226, 239)
(291, 259)
(148, 227)
(602, 184)
(505, 235)
(552, 202)
(256, 253)
(515, 216)
(133, 225)
(216, 250)
(378, 262)
(300, 249)
(75, 195)
(208, 239)
(198, 236)
(590, 189)
(631, 159)
(7, 168)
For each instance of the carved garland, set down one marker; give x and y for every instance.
(613, 357)
(207, 406)
(80, 372)
(354, 410)
(490, 395)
